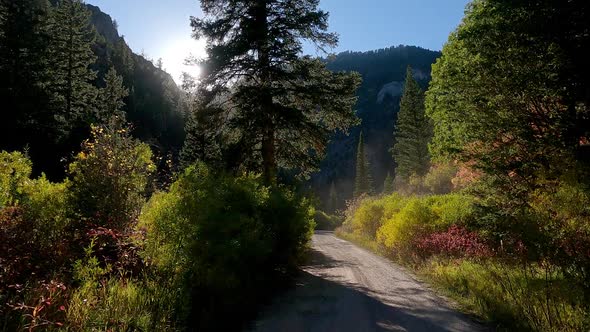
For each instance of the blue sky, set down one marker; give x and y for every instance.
(161, 28)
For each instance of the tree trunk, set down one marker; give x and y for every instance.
(269, 167)
(269, 164)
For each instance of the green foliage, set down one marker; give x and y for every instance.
(220, 240)
(110, 177)
(414, 219)
(47, 204)
(284, 106)
(70, 57)
(103, 302)
(395, 221)
(412, 132)
(326, 221)
(363, 182)
(110, 99)
(503, 105)
(366, 219)
(15, 170)
(388, 184)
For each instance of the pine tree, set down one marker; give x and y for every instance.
(284, 106)
(388, 184)
(71, 57)
(23, 66)
(363, 181)
(412, 132)
(333, 198)
(110, 99)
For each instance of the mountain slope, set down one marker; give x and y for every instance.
(383, 73)
(155, 103)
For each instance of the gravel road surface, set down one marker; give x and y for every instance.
(347, 288)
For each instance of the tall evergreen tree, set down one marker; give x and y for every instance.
(388, 184)
(284, 105)
(110, 101)
(412, 132)
(23, 65)
(71, 56)
(363, 183)
(27, 122)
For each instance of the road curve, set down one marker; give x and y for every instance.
(346, 288)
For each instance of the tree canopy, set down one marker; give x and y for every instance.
(282, 106)
(510, 114)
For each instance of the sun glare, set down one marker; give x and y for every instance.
(177, 51)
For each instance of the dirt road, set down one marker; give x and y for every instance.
(346, 288)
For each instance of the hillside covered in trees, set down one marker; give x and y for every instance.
(383, 73)
(35, 39)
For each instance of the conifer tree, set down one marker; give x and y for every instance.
(284, 106)
(110, 99)
(363, 183)
(333, 198)
(23, 69)
(70, 57)
(412, 132)
(388, 184)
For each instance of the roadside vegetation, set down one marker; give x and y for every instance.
(491, 194)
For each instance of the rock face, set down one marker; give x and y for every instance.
(383, 73)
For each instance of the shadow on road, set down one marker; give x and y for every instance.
(318, 303)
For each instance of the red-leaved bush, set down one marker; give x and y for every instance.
(457, 241)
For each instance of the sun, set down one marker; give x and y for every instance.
(175, 54)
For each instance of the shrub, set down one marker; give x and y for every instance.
(15, 170)
(439, 179)
(401, 219)
(562, 217)
(325, 221)
(414, 219)
(110, 177)
(222, 241)
(102, 302)
(367, 217)
(457, 241)
(452, 209)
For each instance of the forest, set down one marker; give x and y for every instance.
(129, 203)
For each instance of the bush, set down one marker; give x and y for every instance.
(457, 241)
(562, 216)
(102, 302)
(110, 178)
(439, 179)
(367, 217)
(15, 170)
(32, 249)
(395, 221)
(223, 241)
(325, 221)
(413, 220)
